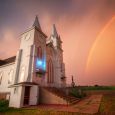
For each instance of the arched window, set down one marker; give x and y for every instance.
(50, 70)
(10, 76)
(40, 59)
(1, 74)
(22, 74)
(39, 53)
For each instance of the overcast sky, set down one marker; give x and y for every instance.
(79, 23)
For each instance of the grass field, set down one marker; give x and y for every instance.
(97, 87)
(108, 104)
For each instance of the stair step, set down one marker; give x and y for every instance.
(72, 100)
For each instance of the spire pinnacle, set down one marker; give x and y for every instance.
(36, 23)
(54, 31)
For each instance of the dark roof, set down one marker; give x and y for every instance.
(7, 61)
(2, 62)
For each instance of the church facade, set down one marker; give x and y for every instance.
(38, 63)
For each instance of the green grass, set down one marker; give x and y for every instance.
(98, 88)
(108, 103)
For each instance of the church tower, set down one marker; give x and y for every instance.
(30, 66)
(59, 67)
(31, 55)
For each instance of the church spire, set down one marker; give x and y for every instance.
(36, 23)
(54, 31)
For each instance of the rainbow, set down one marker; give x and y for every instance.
(96, 42)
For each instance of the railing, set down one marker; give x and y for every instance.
(59, 85)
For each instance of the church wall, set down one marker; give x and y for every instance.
(27, 39)
(58, 70)
(25, 71)
(17, 97)
(39, 41)
(17, 65)
(7, 77)
(27, 47)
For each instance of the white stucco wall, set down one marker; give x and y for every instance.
(27, 47)
(17, 97)
(5, 69)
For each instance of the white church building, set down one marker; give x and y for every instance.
(38, 63)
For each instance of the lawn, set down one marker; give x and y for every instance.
(108, 104)
(97, 87)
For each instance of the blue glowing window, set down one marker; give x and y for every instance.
(40, 61)
(41, 64)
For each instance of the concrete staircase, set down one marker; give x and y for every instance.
(71, 100)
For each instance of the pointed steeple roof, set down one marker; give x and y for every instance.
(36, 23)
(54, 31)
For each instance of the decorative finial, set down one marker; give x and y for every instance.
(54, 31)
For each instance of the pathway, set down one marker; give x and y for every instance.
(88, 105)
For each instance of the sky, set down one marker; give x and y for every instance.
(86, 28)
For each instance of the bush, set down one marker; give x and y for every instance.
(96, 85)
(77, 92)
(4, 105)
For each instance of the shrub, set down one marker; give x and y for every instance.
(4, 105)
(77, 92)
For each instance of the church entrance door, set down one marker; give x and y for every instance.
(27, 95)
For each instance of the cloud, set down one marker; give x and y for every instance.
(78, 22)
(8, 44)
